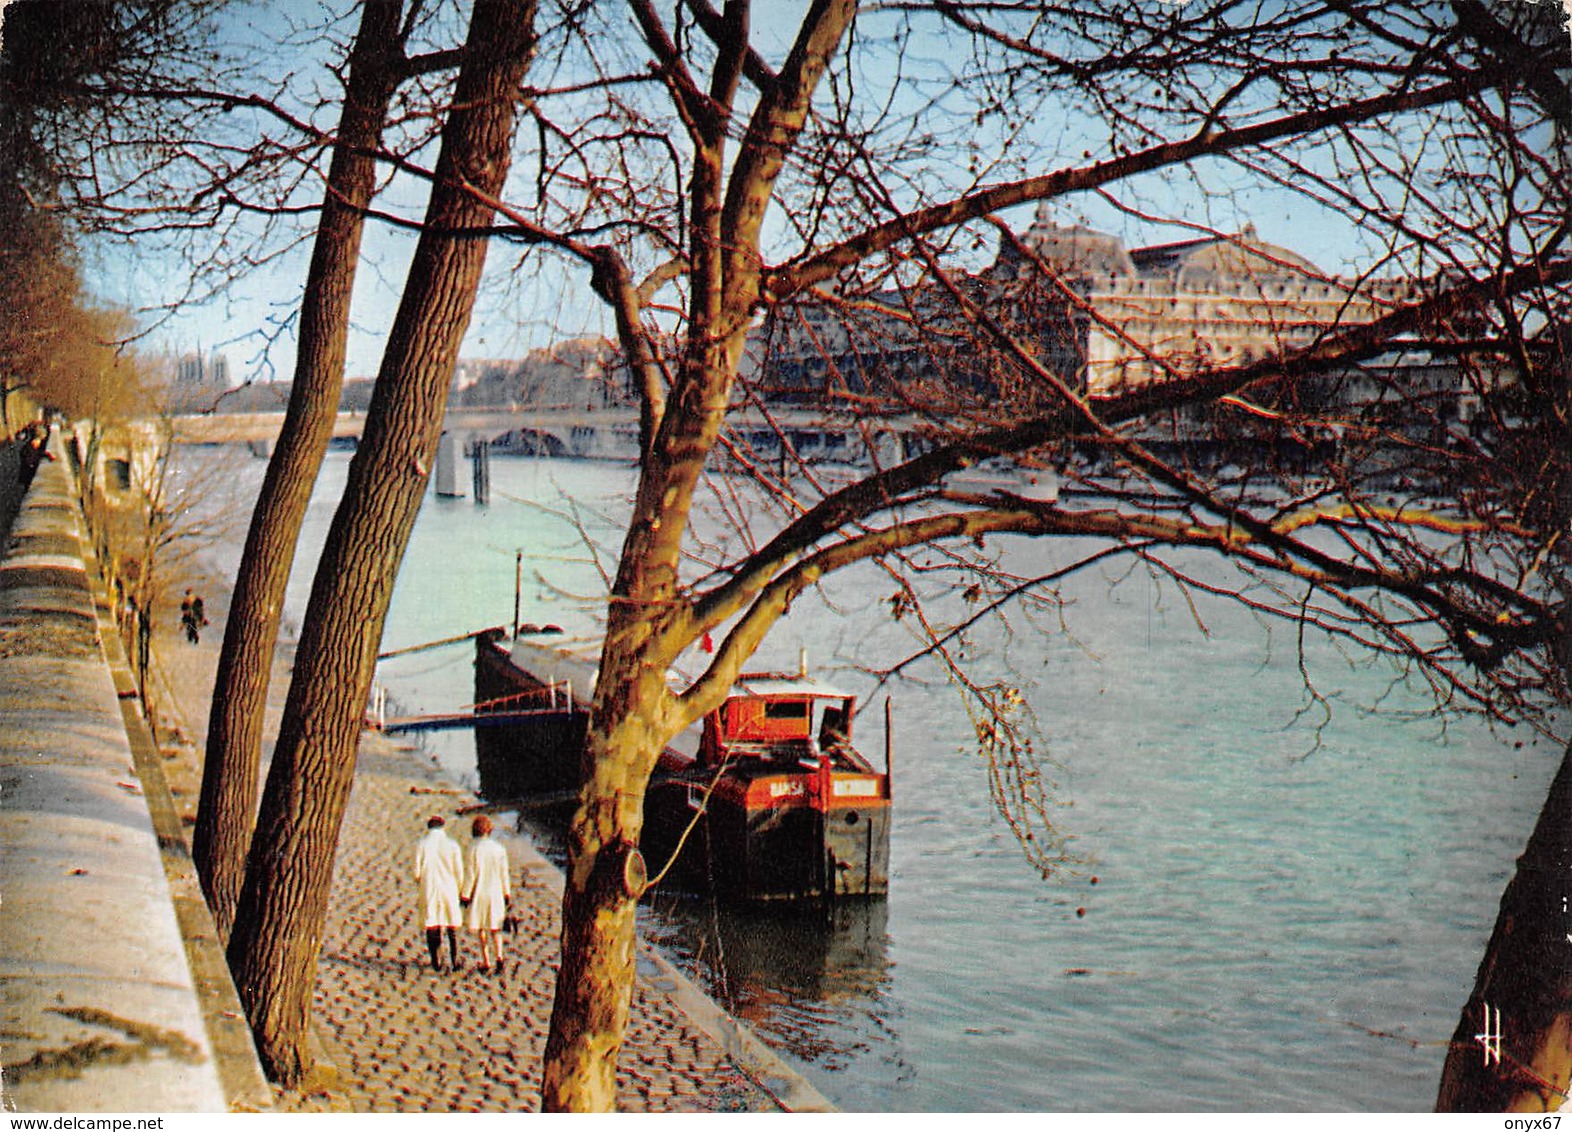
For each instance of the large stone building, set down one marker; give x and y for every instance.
(1101, 316)
(1134, 316)
(575, 374)
(200, 382)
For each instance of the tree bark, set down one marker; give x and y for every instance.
(1526, 981)
(234, 736)
(649, 620)
(595, 982)
(633, 717)
(279, 919)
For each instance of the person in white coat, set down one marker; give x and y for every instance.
(439, 870)
(486, 892)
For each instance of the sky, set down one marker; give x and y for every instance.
(510, 318)
(514, 316)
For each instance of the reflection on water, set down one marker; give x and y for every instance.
(804, 976)
(784, 971)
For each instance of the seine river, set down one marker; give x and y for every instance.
(1263, 911)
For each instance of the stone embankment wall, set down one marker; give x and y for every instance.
(98, 1009)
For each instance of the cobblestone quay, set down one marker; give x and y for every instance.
(417, 1040)
(402, 1038)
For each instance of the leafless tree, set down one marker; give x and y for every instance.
(377, 65)
(839, 187)
(280, 916)
(887, 141)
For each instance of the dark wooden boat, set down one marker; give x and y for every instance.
(768, 800)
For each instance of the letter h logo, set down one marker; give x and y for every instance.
(1491, 1038)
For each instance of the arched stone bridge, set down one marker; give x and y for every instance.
(596, 434)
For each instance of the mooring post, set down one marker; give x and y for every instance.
(480, 470)
(518, 587)
(889, 747)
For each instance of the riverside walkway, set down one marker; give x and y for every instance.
(99, 1009)
(402, 1038)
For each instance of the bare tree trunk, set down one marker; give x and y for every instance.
(634, 714)
(278, 925)
(1525, 981)
(595, 982)
(632, 719)
(234, 738)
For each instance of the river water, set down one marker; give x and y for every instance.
(1259, 913)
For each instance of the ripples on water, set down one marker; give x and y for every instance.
(1260, 913)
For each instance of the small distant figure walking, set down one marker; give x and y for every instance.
(486, 893)
(34, 441)
(193, 616)
(439, 870)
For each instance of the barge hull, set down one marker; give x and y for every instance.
(742, 848)
(784, 853)
(538, 756)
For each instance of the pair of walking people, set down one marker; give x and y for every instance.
(457, 888)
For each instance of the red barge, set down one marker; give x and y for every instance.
(768, 800)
